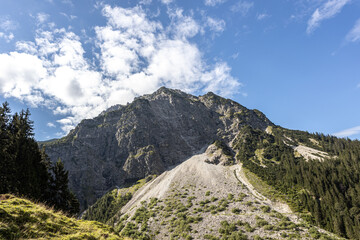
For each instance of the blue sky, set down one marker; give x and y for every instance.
(298, 61)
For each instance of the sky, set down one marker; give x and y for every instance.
(297, 61)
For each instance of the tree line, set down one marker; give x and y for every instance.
(26, 170)
(329, 190)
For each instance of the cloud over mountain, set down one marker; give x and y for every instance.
(133, 55)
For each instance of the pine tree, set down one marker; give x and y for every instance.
(7, 167)
(62, 197)
(25, 170)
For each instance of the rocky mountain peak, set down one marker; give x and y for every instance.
(147, 136)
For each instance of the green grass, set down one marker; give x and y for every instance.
(262, 187)
(23, 219)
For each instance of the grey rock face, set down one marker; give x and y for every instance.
(154, 132)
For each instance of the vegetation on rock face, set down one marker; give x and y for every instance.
(328, 189)
(25, 170)
(106, 208)
(23, 219)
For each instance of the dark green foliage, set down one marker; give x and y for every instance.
(235, 210)
(265, 209)
(225, 149)
(25, 170)
(62, 197)
(230, 231)
(132, 230)
(329, 189)
(211, 237)
(107, 206)
(226, 228)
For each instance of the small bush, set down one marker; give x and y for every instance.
(265, 209)
(236, 210)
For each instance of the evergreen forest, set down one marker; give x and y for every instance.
(326, 192)
(26, 170)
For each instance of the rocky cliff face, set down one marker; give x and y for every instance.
(147, 136)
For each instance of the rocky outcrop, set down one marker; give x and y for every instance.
(147, 136)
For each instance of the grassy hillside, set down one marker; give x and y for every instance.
(23, 219)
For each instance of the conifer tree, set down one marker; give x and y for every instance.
(25, 170)
(7, 167)
(63, 198)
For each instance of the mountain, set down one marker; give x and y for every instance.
(154, 132)
(210, 169)
(199, 199)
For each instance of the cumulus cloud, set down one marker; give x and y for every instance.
(348, 132)
(18, 78)
(58, 75)
(212, 3)
(242, 7)
(182, 26)
(137, 56)
(354, 34)
(328, 10)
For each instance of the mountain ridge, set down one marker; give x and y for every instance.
(316, 175)
(155, 131)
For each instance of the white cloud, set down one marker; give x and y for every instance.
(235, 55)
(7, 37)
(212, 3)
(50, 124)
(26, 46)
(242, 7)
(262, 16)
(42, 17)
(7, 24)
(354, 34)
(18, 78)
(348, 132)
(69, 2)
(145, 2)
(69, 17)
(328, 10)
(166, 1)
(219, 80)
(216, 25)
(136, 56)
(182, 26)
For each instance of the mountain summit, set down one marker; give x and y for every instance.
(205, 151)
(147, 136)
